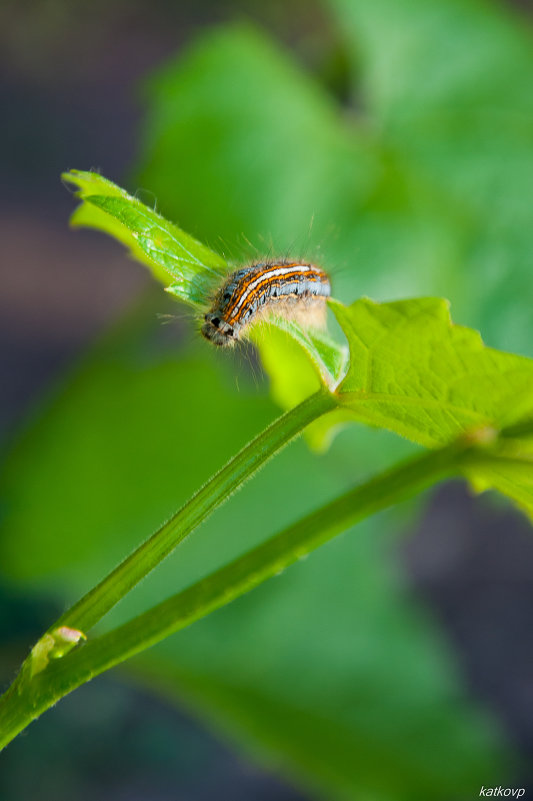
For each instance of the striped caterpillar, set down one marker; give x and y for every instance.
(293, 290)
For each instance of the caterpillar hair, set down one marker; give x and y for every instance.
(290, 289)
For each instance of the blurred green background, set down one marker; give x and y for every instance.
(390, 140)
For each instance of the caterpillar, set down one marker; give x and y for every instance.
(293, 290)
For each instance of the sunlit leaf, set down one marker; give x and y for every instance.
(174, 257)
(190, 270)
(414, 372)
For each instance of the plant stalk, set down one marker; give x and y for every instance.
(98, 601)
(28, 698)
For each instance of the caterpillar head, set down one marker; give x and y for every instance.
(217, 331)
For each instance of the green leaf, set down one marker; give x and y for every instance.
(175, 258)
(413, 372)
(297, 363)
(291, 171)
(260, 147)
(448, 85)
(507, 466)
(191, 271)
(426, 189)
(468, 51)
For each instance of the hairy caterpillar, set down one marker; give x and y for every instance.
(293, 290)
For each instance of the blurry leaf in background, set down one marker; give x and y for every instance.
(236, 130)
(431, 196)
(330, 667)
(447, 86)
(238, 123)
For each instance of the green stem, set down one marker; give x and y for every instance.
(96, 603)
(20, 706)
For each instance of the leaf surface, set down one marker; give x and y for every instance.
(413, 372)
(175, 257)
(190, 270)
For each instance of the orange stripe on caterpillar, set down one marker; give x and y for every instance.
(292, 290)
